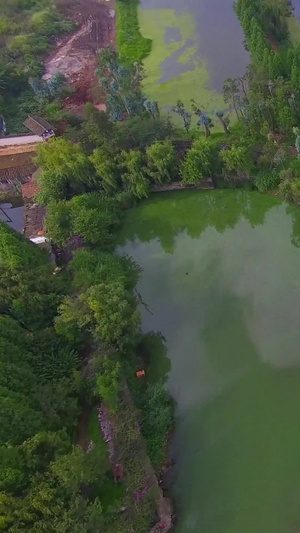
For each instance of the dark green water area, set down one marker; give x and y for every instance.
(221, 275)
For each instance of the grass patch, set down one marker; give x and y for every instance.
(132, 46)
(95, 433)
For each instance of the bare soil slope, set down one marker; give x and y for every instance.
(76, 55)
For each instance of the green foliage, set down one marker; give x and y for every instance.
(261, 20)
(197, 163)
(41, 475)
(78, 468)
(132, 46)
(161, 161)
(17, 253)
(135, 176)
(65, 169)
(289, 189)
(297, 144)
(237, 160)
(266, 180)
(105, 306)
(58, 222)
(96, 130)
(108, 382)
(13, 474)
(32, 296)
(121, 82)
(43, 448)
(111, 313)
(54, 112)
(106, 168)
(157, 409)
(93, 216)
(289, 186)
(27, 30)
(136, 133)
(90, 266)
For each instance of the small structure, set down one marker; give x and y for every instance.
(39, 126)
(19, 140)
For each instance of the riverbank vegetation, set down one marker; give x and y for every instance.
(132, 46)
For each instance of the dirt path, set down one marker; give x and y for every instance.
(75, 56)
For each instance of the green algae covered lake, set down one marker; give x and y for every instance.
(196, 45)
(221, 275)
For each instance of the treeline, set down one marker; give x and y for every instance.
(264, 23)
(265, 141)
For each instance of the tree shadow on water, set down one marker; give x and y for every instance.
(165, 216)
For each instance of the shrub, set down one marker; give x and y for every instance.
(197, 163)
(161, 161)
(157, 408)
(237, 160)
(266, 181)
(108, 382)
(290, 190)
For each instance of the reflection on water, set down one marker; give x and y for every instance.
(194, 213)
(221, 275)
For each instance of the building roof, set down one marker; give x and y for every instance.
(18, 141)
(17, 161)
(37, 125)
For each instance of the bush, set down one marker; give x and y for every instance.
(266, 181)
(132, 45)
(161, 161)
(108, 382)
(290, 190)
(157, 409)
(237, 160)
(54, 112)
(197, 163)
(92, 216)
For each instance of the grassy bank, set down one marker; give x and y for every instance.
(131, 44)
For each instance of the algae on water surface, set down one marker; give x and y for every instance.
(190, 79)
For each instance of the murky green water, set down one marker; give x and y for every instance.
(222, 278)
